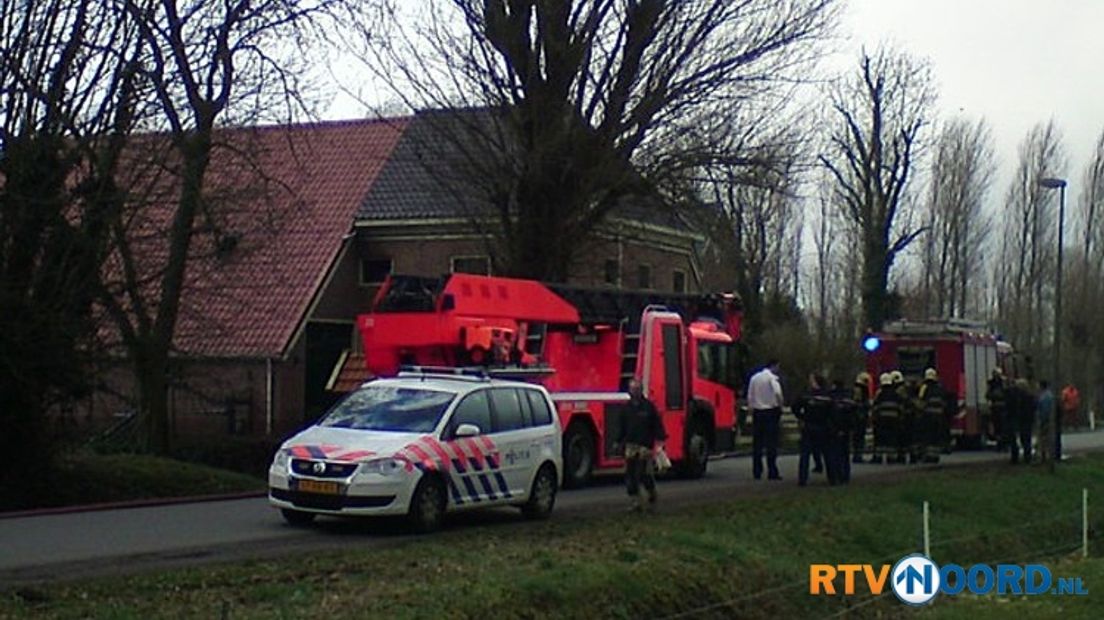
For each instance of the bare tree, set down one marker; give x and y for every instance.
(875, 140)
(587, 102)
(762, 234)
(961, 174)
(202, 64)
(1085, 356)
(1092, 207)
(62, 108)
(1027, 249)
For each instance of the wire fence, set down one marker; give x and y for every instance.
(1041, 530)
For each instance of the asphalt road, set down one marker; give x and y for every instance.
(62, 546)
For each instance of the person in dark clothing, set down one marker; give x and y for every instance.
(841, 424)
(1021, 414)
(813, 411)
(888, 417)
(641, 429)
(996, 394)
(860, 395)
(931, 414)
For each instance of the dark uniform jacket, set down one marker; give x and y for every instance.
(640, 424)
(844, 412)
(814, 410)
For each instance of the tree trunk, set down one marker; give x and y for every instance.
(151, 369)
(875, 279)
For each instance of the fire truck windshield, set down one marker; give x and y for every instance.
(393, 409)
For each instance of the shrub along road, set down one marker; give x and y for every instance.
(42, 548)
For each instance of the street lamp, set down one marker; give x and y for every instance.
(1056, 427)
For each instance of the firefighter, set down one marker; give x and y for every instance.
(1021, 418)
(932, 416)
(813, 411)
(886, 415)
(641, 430)
(906, 397)
(996, 394)
(860, 395)
(841, 425)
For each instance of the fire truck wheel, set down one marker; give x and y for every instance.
(542, 497)
(427, 505)
(697, 453)
(578, 455)
(297, 518)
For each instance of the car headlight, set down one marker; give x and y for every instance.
(281, 459)
(384, 467)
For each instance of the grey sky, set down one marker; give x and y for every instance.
(1014, 62)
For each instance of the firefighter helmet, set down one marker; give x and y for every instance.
(931, 375)
(885, 379)
(896, 377)
(863, 378)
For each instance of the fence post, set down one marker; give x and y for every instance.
(927, 532)
(1084, 523)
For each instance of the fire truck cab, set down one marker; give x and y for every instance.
(963, 352)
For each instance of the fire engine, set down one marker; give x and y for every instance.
(583, 345)
(963, 352)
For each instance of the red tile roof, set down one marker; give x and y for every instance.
(349, 373)
(303, 186)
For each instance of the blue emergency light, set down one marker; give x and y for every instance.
(871, 343)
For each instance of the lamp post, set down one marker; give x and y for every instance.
(1056, 427)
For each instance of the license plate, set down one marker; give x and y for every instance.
(315, 486)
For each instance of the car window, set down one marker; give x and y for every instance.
(507, 408)
(526, 410)
(542, 415)
(389, 408)
(472, 410)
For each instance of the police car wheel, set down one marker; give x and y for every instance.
(427, 505)
(297, 518)
(542, 497)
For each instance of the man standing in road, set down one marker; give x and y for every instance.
(640, 432)
(765, 401)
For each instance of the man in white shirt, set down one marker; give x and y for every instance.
(764, 397)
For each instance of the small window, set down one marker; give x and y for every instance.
(507, 408)
(644, 276)
(472, 410)
(678, 281)
(374, 271)
(478, 265)
(612, 273)
(542, 415)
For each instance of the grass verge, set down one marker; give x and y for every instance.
(89, 478)
(746, 558)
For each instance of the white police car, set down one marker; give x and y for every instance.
(422, 444)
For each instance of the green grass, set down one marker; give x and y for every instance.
(88, 478)
(746, 558)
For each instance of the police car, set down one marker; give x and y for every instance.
(422, 444)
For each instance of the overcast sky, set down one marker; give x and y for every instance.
(1014, 62)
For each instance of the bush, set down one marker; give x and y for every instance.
(247, 455)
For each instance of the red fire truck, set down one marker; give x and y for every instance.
(963, 352)
(581, 344)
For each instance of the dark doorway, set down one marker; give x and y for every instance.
(325, 342)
